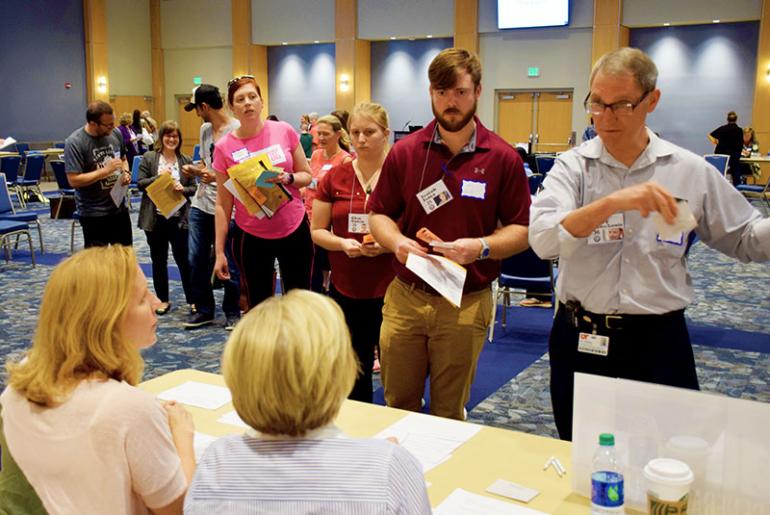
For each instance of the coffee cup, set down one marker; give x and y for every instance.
(668, 486)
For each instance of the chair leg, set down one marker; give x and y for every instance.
(40, 235)
(31, 249)
(506, 305)
(72, 238)
(7, 251)
(58, 208)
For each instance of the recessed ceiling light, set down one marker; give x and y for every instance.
(284, 43)
(667, 24)
(392, 37)
(715, 21)
(316, 41)
(429, 36)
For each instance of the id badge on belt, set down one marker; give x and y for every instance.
(358, 223)
(595, 344)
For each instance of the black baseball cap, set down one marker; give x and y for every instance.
(205, 93)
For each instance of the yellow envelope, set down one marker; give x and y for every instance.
(164, 196)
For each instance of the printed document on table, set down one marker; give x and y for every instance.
(232, 418)
(442, 274)
(430, 439)
(202, 395)
(462, 502)
(118, 192)
(7, 143)
(201, 442)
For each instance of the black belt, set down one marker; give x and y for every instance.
(580, 318)
(419, 285)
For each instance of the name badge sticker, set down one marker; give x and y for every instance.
(240, 155)
(434, 196)
(673, 241)
(326, 167)
(275, 153)
(595, 344)
(474, 189)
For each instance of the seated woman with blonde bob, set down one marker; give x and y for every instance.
(88, 440)
(289, 365)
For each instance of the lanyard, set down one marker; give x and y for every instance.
(367, 186)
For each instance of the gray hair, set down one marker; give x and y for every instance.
(628, 60)
(313, 116)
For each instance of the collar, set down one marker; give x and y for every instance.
(327, 432)
(479, 139)
(656, 148)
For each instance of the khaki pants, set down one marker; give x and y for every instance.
(424, 335)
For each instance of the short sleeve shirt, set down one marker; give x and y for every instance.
(730, 138)
(362, 277)
(319, 167)
(280, 140)
(487, 184)
(205, 197)
(84, 153)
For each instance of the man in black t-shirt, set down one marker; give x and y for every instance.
(729, 141)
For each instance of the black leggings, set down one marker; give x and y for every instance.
(165, 232)
(256, 256)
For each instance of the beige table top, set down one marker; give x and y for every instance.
(490, 455)
(9, 154)
(755, 159)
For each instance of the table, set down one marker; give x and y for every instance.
(490, 455)
(764, 162)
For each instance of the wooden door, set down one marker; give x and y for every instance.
(554, 121)
(127, 103)
(189, 125)
(514, 116)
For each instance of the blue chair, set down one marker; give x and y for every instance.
(196, 153)
(133, 186)
(8, 213)
(544, 164)
(32, 173)
(58, 145)
(525, 271)
(718, 161)
(10, 167)
(535, 180)
(65, 190)
(22, 149)
(751, 191)
(10, 228)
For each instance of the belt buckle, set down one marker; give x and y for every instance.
(607, 319)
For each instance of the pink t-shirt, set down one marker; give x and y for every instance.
(280, 140)
(107, 449)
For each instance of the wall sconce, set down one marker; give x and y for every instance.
(101, 84)
(767, 74)
(344, 82)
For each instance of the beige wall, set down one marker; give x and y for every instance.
(641, 13)
(128, 47)
(293, 21)
(213, 65)
(381, 19)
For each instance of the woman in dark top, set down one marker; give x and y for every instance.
(167, 158)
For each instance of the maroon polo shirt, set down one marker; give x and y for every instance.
(362, 277)
(493, 162)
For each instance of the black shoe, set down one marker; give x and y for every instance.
(230, 322)
(198, 320)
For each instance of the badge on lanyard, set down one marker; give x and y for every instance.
(610, 231)
(595, 344)
(358, 223)
(434, 196)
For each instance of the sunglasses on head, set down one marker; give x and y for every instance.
(236, 79)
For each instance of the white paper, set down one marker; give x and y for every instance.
(177, 207)
(8, 142)
(201, 442)
(462, 502)
(231, 188)
(512, 490)
(118, 192)
(444, 275)
(202, 395)
(683, 223)
(430, 439)
(232, 418)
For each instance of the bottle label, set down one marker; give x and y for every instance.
(607, 489)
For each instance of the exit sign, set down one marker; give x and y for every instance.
(197, 81)
(533, 71)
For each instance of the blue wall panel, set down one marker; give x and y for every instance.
(400, 78)
(704, 72)
(43, 47)
(301, 80)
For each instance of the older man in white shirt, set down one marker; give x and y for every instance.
(623, 284)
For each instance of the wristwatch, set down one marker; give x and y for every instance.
(484, 254)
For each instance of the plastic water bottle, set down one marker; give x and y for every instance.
(606, 478)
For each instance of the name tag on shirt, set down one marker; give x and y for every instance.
(326, 167)
(358, 223)
(241, 155)
(434, 196)
(595, 344)
(474, 189)
(274, 152)
(611, 231)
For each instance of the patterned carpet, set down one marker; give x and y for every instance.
(729, 295)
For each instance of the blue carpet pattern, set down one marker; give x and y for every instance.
(729, 324)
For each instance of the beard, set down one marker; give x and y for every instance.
(458, 123)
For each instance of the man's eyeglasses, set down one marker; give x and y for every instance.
(596, 108)
(108, 125)
(236, 79)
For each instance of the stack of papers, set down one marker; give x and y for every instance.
(201, 395)
(442, 274)
(232, 419)
(430, 439)
(249, 180)
(462, 502)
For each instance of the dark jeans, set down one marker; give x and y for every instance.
(165, 232)
(655, 350)
(201, 243)
(364, 318)
(256, 256)
(99, 231)
(320, 265)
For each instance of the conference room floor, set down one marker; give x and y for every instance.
(729, 321)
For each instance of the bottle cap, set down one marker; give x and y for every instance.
(606, 439)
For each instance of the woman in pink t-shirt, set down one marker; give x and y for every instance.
(334, 150)
(88, 440)
(361, 271)
(259, 240)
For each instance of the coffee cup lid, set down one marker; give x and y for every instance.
(668, 471)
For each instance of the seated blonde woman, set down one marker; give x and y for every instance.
(88, 440)
(289, 365)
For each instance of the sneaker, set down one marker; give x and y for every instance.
(198, 320)
(231, 321)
